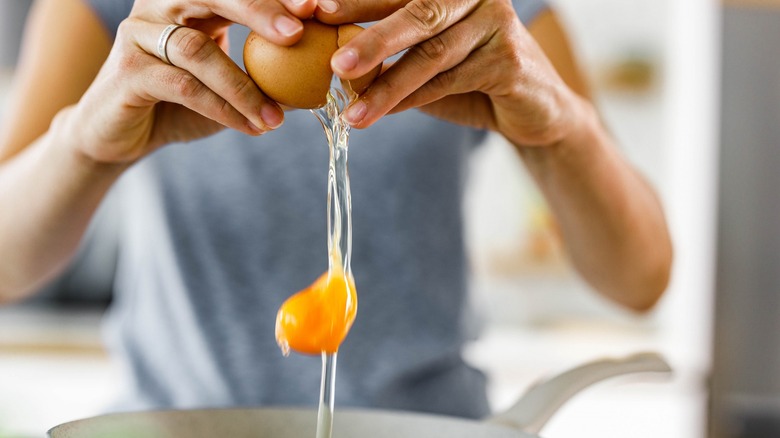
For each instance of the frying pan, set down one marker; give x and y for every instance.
(523, 420)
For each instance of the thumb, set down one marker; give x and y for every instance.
(356, 11)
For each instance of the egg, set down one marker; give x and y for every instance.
(299, 76)
(318, 318)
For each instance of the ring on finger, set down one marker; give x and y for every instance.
(162, 42)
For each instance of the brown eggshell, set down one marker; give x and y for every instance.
(359, 85)
(297, 76)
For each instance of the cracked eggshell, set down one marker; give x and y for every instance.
(299, 76)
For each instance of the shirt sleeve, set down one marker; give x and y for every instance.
(111, 12)
(527, 10)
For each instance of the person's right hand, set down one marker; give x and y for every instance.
(138, 103)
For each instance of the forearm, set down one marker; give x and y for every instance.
(49, 194)
(612, 223)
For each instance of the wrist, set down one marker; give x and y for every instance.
(583, 135)
(68, 138)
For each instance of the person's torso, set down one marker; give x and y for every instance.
(215, 234)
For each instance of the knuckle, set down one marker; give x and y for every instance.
(130, 60)
(506, 18)
(443, 80)
(246, 88)
(123, 31)
(225, 112)
(377, 36)
(185, 85)
(383, 83)
(517, 63)
(194, 45)
(433, 49)
(252, 6)
(510, 58)
(501, 5)
(426, 14)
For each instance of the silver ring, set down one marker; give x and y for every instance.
(162, 42)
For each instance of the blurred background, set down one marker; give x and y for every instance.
(691, 90)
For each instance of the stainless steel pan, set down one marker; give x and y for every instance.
(523, 420)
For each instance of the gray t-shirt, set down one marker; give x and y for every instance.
(216, 233)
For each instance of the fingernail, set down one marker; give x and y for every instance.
(345, 61)
(272, 116)
(254, 128)
(299, 2)
(356, 112)
(328, 6)
(287, 26)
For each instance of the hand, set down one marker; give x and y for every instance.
(138, 102)
(469, 62)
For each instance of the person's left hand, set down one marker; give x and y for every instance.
(470, 62)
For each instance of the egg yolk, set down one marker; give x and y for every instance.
(318, 318)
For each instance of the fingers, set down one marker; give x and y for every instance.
(202, 78)
(450, 82)
(417, 21)
(426, 63)
(469, 108)
(356, 11)
(472, 76)
(165, 83)
(278, 21)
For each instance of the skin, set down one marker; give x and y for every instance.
(68, 136)
(472, 62)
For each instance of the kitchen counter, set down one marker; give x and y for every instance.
(636, 406)
(53, 369)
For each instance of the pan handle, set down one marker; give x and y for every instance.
(539, 403)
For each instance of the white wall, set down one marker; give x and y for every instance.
(691, 118)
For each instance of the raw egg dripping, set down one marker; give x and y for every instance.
(318, 318)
